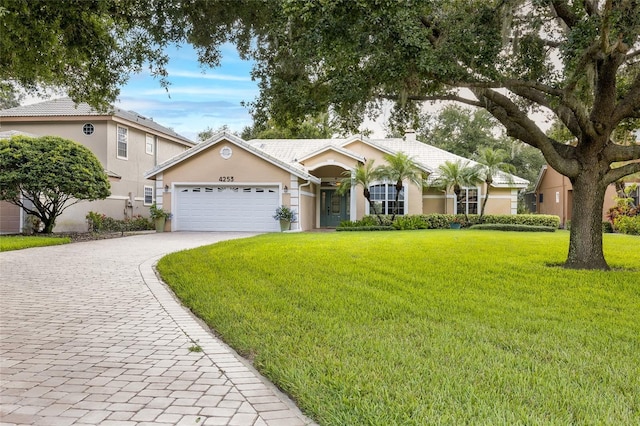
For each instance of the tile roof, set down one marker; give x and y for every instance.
(427, 156)
(65, 107)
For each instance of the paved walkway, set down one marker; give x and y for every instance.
(88, 335)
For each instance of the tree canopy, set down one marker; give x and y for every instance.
(579, 60)
(85, 48)
(46, 175)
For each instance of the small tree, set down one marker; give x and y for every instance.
(46, 175)
(491, 162)
(362, 175)
(400, 167)
(454, 175)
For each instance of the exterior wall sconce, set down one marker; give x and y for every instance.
(166, 188)
(285, 189)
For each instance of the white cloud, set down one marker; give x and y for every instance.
(201, 75)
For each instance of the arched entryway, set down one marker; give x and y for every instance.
(332, 207)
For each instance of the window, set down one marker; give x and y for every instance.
(148, 147)
(88, 129)
(468, 203)
(384, 195)
(148, 195)
(123, 142)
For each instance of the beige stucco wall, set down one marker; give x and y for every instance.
(433, 201)
(103, 143)
(9, 218)
(208, 167)
(500, 201)
(307, 210)
(330, 158)
(66, 129)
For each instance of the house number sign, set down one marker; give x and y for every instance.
(225, 179)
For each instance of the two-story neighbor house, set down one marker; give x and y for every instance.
(554, 195)
(126, 143)
(228, 184)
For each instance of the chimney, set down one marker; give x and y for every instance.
(410, 135)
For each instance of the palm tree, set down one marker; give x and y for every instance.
(454, 176)
(362, 175)
(491, 162)
(400, 167)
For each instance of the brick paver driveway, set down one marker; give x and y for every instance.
(89, 336)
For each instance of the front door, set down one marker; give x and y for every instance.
(334, 208)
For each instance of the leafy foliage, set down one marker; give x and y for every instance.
(455, 175)
(99, 222)
(85, 48)
(46, 175)
(286, 214)
(442, 221)
(509, 227)
(400, 167)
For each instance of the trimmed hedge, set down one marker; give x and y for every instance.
(443, 221)
(99, 222)
(364, 228)
(510, 227)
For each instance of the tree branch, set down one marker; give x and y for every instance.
(614, 152)
(433, 32)
(455, 98)
(619, 172)
(629, 104)
(520, 126)
(564, 12)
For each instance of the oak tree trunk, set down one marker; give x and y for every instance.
(585, 244)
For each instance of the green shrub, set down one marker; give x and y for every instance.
(366, 221)
(95, 221)
(365, 228)
(99, 222)
(524, 219)
(443, 221)
(607, 227)
(627, 224)
(510, 227)
(409, 222)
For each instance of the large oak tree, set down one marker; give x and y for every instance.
(577, 59)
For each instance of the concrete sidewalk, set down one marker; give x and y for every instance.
(88, 335)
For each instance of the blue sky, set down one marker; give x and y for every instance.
(198, 97)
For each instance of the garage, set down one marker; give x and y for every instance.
(226, 208)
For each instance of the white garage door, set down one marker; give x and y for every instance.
(223, 208)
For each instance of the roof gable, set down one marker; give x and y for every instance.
(333, 149)
(234, 140)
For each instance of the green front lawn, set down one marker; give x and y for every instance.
(18, 242)
(427, 327)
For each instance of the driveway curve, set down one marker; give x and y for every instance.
(89, 335)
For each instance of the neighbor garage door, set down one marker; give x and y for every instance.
(238, 208)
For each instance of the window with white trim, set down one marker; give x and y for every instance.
(148, 195)
(468, 203)
(383, 195)
(148, 146)
(123, 143)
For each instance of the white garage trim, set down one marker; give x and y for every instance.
(225, 206)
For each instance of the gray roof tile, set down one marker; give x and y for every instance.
(65, 107)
